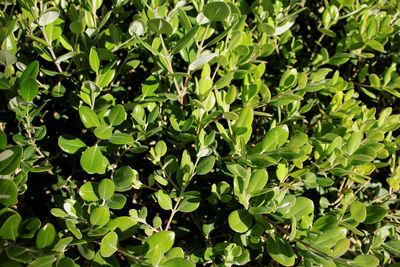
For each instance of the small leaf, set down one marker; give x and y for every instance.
(164, 240)
(109, 244)
(70, 144)
(175, 262)
(186, 40)
(88, 117)
(9, 227)
(217, 11)
(6, 58)
(8, 192)
(164, 200)
(190, 201)
(205, 165)
(137, 27)
(91, 160)
(354, 141)
(10, 160)
(106, 189)
(123, 178)
(94, 59)
(46, 236)
(240, 221)
(365, 261)
(99, 216)
(89, 191)
(120, 139)
(28, 89)
(358, 211)
(117, 115)
(280, 250)
(375, 214)
(159, 25)
(393, 247)
(201, 61)
(103, 132)
(48, 16)
(257, 181)
(375, 45)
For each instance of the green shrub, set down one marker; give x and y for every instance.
(176, 133)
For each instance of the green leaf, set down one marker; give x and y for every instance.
(289, 79)
(86, 250)
(120, 139)
(303, 206)
(106, 189)
(99, 216)
(117, 202)
(280, 250)
(205, 165)
(164, 240)
(103, 132)
(48, 16)
(393, 247)
(190, 202)
(201, 61)
(88, 117)
(117, 115)
(9, 228)
(354, 141)
(243, 125)
(186, 40)
(375, 45)
(73, 229)
(358, 211)
(365, 261)
(29, 227)
(217, 11)
(8, 192)
(109, 244)
(375, 214)
(43, 261)
(10, 160)
(6, 58)
(123, 178)
(70, 144)
(160, 149)
(341, 247)
(105, 78)
(164, 200)
(137, 27)
(92, 159)
(160, 26)
(94, 59)
(46, 236)
(28, 89)
(258, 180)
(31, 71)
(177, 262)
(89, 191)
(240, 221)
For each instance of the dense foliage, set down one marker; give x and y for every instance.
(176, 133)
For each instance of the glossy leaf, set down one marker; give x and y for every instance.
(89, 191)
(117, 115)
(88, 117)
(280, 250)
(217, 11)
(70, 144)
(159, 25)
(8, 192)
(106, 189)
(240, 221)
(91, 159)
(109, 244)
(205, 165)
(45, 236)
(10, 160)
(48, 16)
(99, 216)
(358, 211)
